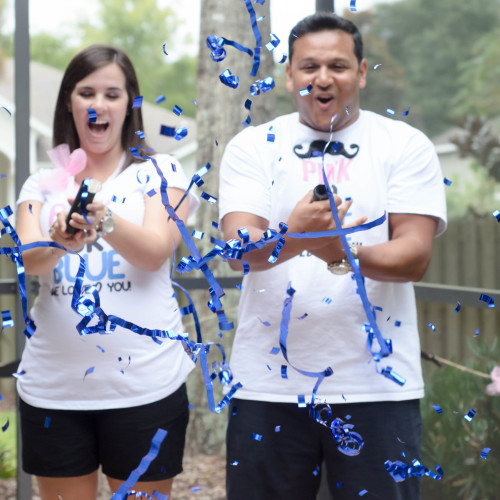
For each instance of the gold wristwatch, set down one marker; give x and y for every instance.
(343, 266)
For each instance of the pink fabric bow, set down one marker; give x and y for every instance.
(67, 165)
(493, 389)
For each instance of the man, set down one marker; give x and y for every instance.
(375, 165)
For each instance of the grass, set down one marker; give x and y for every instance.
(8, 444)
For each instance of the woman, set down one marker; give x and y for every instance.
(97, 400)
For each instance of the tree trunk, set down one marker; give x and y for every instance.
(220, 113)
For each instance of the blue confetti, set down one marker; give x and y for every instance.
(284, 373)
(164, 50)
(390, 111)
(317, 470)
(496, 214)
(197, 234)
(247, 121)
(229, 79)
(306, 91)
(5, 426)
(271, 135)
(431, 326)
(3, 107)
(447, 181)
(159, 99)
(210, 199)
(362, 492)
(470, 415)
(484, 453)
(353, 6)
(151, 193)
(438, 409)
(100, 348)
(47, 422)
(275, 41)
(159, 496)
(327, 300)
(177, 110)
(92, 115)
(400, 471)
(196, 488)
(257, 437)
(301, 401)
(180, 133)
(388, 373)
(489, 300)
(176, 133)
(277, 428)
(7, 319)
(397, 323)
(459, 306)
(407, 112)
(140, 133)
(137, 102)
(89, 371)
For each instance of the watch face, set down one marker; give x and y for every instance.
(107, 224)
(340, 269)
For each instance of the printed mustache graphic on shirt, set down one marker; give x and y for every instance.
(317, 148)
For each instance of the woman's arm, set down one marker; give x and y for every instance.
(148, 246)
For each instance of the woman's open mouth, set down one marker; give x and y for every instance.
(98, 127)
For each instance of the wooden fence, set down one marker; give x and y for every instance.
(466, 255)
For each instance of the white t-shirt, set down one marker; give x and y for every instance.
(387, 166)
(124, 368)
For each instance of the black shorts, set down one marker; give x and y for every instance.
(68, 443)
(276, 450)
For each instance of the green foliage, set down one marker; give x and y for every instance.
(429, 40)
(52, 51)
(471, 195)
(479, 92)
(140, 28)
(8, 445)
(456, 444)
(6, 40)
(385, 84)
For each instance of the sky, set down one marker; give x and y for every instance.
(58, 16)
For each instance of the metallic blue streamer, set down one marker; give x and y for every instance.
(134, 476)
(258, 37)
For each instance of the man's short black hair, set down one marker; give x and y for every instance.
(325, 21)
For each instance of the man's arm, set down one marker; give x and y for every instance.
(406, 256)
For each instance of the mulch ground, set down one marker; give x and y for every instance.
(203, 479)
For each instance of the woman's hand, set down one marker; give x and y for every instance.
(85, 226)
